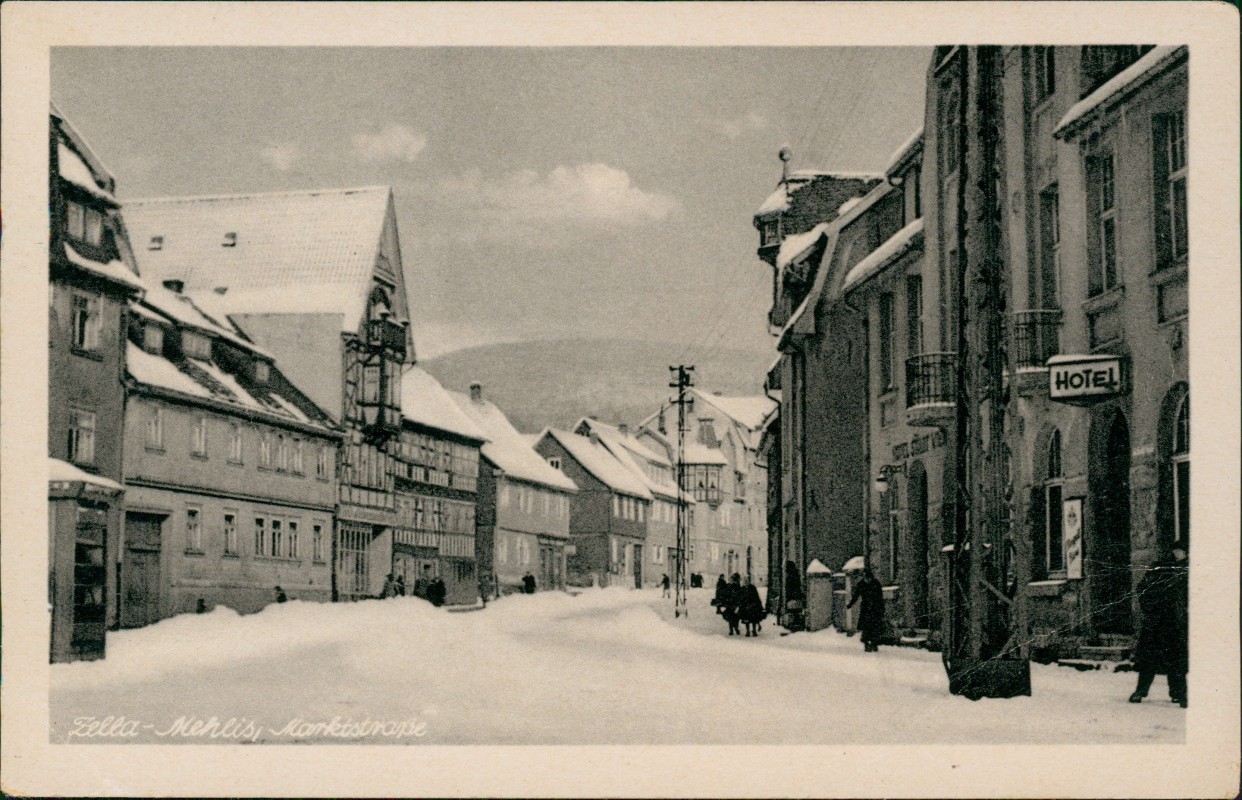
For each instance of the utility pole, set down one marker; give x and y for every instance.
(984, 657)
(681, 383)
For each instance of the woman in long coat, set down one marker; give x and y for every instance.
(722, 590)
(1163, 639)
(731, 603)
(751, 610)
(870, 593)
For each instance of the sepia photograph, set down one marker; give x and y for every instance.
(434, 393)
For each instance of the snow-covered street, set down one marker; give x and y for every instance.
(604, 667)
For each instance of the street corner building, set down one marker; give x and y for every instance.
(1058, 174)
(524, 505)
(91, 279)
(314, 279)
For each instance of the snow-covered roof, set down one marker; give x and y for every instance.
(64, 472)
(855, 564)
(183, 310)
(875, 261)
(816, 567)
(294, 252)
(845, 175)
(627, 449)
(425, 402)
(747, 411)
(907, 147)
(777, 201)
(507, 448)
(797, 245)
(113, 270)
(1129, 79)
(74, 169)
(702, 454)
(600, 462)
(206, 380)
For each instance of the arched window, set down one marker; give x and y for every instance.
(1054, 481)
(1181, 474)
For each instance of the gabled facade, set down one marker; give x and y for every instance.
(229, 468)
(728, 533)
(316, 279)
(524, 505)
(437, 489)
(653, 468)
(91, 278)
(608, 514)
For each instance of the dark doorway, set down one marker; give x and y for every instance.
(140, 570)
(1108, 550)
(917, 500)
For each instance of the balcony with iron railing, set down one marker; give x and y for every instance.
(1036, 338)
(931, 389)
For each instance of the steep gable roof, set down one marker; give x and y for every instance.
(425, 402)
(599, 462)
(627, 449)
(747, 411)
(292, 252)
(507, 448)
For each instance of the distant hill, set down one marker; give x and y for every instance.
(556, 383)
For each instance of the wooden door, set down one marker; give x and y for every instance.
(140, 570)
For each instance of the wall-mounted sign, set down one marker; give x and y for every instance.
(1084, 379)
(1071, 529)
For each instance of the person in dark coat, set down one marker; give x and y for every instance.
(423, 584)
(732, 603)
(870, 594)
(664, 585)
(281, 597)
(722, 589)
(390, 587)
(437, 592)
(400, 586)
(751, 609)
(528, 583)
(1163, 642)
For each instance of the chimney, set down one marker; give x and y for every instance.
(624, 428)
(174, 285)
(476, 392)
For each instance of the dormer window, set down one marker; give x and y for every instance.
(196, 345)
(157, 243)
(153, 338)
(262, 371)
(770, 232)
(230, 239)
(84, 224)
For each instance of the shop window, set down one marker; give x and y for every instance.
(1169, 163)
(1181, 475)
(1102, 232)
(86, 321)
(81, 436)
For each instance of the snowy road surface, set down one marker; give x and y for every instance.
(605, 667)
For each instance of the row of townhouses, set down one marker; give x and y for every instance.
(236, 416)
(1090, 170)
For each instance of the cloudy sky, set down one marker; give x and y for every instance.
(541, 193)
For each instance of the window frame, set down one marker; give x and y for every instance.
(1179, 460)
(198, 437)
(1045, 73)
(193, 530)
(1104, 273)
(228, 529)
(153, 436)
(82, 437)
(1054, 487)
(86, 328)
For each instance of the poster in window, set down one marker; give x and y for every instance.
(1071, 528)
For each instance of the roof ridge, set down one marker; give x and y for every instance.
(247, 195)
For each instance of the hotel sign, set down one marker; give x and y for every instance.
(1084, 379)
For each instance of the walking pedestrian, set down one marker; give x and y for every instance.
(870, 594)
(423, 583)
(732, 604)
(722, 588)
(528, 583)
(1163, 636)
(437, 591)
(752, 611)
(664, 585)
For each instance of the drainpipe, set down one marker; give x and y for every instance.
(866, 356)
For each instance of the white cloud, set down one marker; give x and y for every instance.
(734, 128)
(393, 143)
(281, 157)
(526, 204)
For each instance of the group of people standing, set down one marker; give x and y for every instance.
(740, 605)
(429, 587)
